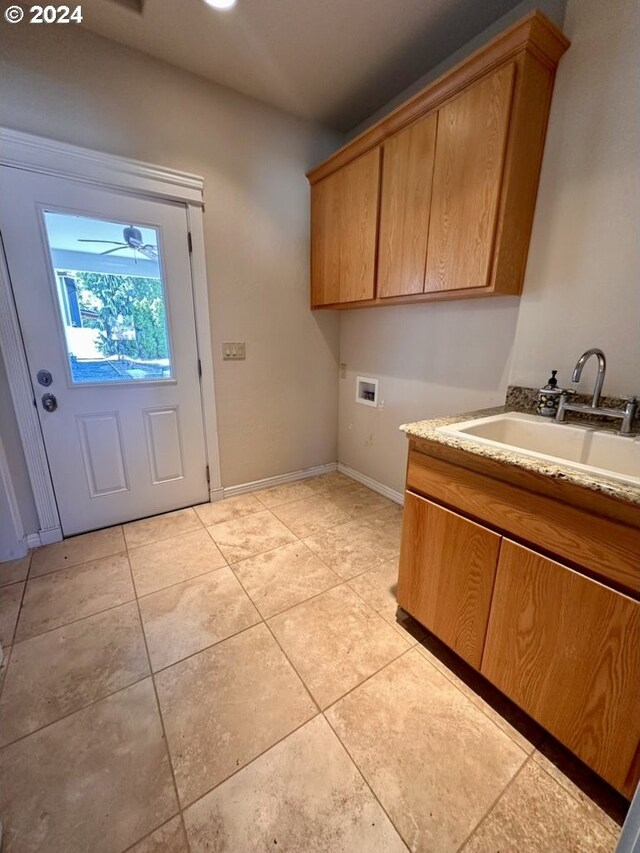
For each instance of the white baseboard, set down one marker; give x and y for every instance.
(216, 495)
(279, 480)
(44, 537)
(374, 485)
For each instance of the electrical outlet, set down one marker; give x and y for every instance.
(234, 351)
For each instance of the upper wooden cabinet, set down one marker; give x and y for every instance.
(405, 207)
(436, 200)
(344, 215)
(472, 142)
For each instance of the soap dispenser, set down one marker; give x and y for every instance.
(549, 397)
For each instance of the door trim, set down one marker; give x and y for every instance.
(48, 157)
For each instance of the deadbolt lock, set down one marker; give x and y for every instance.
(44, 378)
(49, 402)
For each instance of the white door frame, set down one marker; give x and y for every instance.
(37, 154)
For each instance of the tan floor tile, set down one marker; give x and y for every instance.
(10, 598)
(311, 515)
(190, 616)
(245, 537)
(605, 804)
(159, 527)
(284, 577)
(6, 654)
(335, 641)
(226, 510)
(388, 524)
(433, 759)
(76, 550)
(60, 672)
(326, 484)
(359, 501)
(507, 716)
(65, 596)
(278, 495)
(167, 839)
(96, 781)
(179, 558)
(302, 795)
(226, 705)
(389, 519)
(14, 570)
(538, 815)
(352, 548)
(378, 588)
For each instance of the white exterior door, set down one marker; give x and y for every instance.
(103, 290)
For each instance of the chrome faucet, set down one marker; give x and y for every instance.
(602, 367)
(626, 416)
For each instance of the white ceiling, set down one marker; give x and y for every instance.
(332, 61)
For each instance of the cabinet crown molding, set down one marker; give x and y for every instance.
(534, 33)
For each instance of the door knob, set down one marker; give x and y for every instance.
(49, 402)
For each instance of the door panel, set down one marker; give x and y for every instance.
(567, 650)
(102, 453)
(164, 445)
(467, 182)
(447, 568)
(102, 283)
(407, 172)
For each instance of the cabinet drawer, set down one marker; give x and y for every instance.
(447, 569)
(567, 650)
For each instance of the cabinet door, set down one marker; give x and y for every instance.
(567, 650)
(467, 183)
(344, 221)
(325, 240)
(447, 568)
(405, 202)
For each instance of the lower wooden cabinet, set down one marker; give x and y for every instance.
(563, 646)
(566, 649)
(447, 570)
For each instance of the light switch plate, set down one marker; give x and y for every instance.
(234, 351)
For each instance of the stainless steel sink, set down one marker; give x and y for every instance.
(585, 448)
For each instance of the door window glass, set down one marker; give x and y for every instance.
(111, 297)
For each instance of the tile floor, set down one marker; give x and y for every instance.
(235, 677)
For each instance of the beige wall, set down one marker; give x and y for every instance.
(582, 286)
(277, 411)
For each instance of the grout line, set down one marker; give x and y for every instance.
(280, 647)
(210, 646)
(194, 529)
(339, 582)
(493, 805)
(352, 759)
(575, 797)
(73, 621)
(7, 652)
(71, 566)
(484, 702)
(149, 834)
(206, 793)
(76, 710)
(176, 583)
(12, 641)
(160, 717)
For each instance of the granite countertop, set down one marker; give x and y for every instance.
(427, 430)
